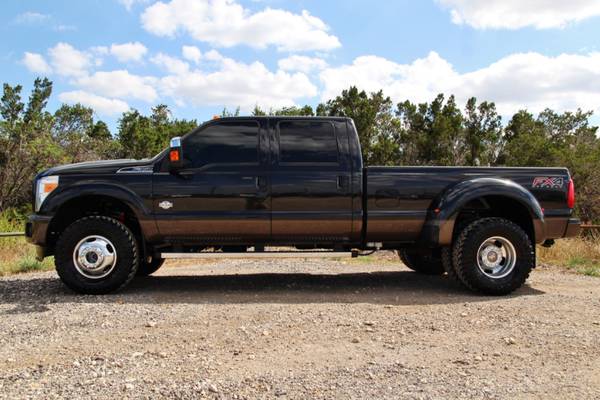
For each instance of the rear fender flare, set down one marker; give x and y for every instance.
(442, 214)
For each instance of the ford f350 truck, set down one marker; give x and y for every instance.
(236, 184)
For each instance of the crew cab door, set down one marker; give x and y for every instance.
(310, 181)
(221, 195)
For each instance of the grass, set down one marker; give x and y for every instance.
(16, 255)
(580, 255)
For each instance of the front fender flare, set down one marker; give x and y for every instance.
(439, 227)
(58, 198)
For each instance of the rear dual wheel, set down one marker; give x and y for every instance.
(492, 256)
(148, 268)
(424, 263)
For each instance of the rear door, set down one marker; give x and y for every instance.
(310, 181)
(222, 193)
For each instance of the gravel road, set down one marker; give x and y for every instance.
(292, 329)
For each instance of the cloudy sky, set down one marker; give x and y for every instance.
(199, 56)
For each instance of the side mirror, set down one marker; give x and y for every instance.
(175, 154)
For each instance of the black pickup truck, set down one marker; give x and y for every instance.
(240, 184)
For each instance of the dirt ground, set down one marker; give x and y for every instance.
(292, 329)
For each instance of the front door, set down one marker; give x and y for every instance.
(221, 195)
(310, 182)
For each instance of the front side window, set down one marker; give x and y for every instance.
(223, 143)
(307, 142)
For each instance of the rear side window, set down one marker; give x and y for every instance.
(223, 143)
(307, 142)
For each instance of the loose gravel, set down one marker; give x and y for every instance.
(295, 329)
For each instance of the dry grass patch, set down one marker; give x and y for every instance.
(578, 254)
(16, 255)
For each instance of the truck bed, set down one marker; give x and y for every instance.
(398, 199)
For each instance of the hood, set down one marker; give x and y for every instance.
(96, 167)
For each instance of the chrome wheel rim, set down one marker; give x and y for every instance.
(496, 257)
(95, 257)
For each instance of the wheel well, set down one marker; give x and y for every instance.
(496, 206)
(83, 206)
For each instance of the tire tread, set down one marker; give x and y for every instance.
(461, 266)
(62, 255)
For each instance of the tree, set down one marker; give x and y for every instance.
(258, 112)
(373, 120)
(305, 111)
(100, 131)
(35, 117)
(483, 130)
(227, 113)
(11, 106)
(25, 141)
(431, 133)
(285, 111)
(81, 138)
(143, 137)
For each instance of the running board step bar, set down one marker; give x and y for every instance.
(263, 254)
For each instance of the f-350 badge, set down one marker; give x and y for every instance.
(165, 205)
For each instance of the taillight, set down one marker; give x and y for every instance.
(571, 194)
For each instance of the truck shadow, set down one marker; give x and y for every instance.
(384, 288)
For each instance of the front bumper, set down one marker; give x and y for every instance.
(573, 227)
(36, 230)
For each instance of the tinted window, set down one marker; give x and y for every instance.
(307, 142)
(226, 142)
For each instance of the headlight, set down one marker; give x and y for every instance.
(44, 187)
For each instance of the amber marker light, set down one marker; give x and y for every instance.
(44, 187)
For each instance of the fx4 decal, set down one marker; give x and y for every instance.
(547, 182)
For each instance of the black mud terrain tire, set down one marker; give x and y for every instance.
(148, 268)
(469, 248)
(121, 241)
(446, 254)
(426, 264)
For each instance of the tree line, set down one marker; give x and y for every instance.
(439, 132)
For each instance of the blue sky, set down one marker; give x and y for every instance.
(199, 56)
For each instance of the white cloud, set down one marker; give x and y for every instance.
(100, 50)
(64, 28)
(213, 55)
(130, 3)
(68, 61)
(102, 105)
(237, 84)
(119, 84)
(526, 80)
(31, 17)
(132, 51)
(35, 62)
(191, 53)
(301, 63)
(171, 64)
(515, 14)
(226, 23)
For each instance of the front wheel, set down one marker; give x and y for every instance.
(96, 255)
(493, 256)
